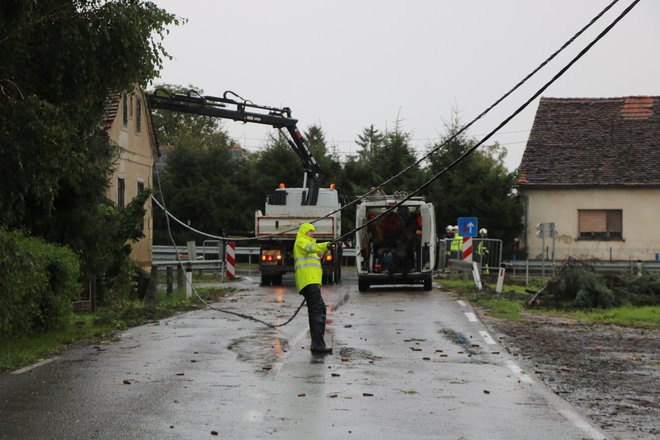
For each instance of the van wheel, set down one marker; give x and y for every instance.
(363, 286)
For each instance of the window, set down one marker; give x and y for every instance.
(138, 115)
(124, 111)
(600, 224)
(121, 188)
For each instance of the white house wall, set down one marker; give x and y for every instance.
(640, 233)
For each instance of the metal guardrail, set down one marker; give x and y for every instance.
(169, 253)
(538, 267)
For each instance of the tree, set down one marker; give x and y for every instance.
(479, 186)
(381, 157)
(61, 60)
(328, 162)
(369, 141)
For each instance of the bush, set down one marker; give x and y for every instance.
(38, 282)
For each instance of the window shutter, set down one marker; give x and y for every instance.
(592, 221)
(614, 221)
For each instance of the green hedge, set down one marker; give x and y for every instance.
(38, 282)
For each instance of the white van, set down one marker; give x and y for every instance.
(398, 248)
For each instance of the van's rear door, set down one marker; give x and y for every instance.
(429, 234)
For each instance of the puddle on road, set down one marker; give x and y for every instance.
(265, 346)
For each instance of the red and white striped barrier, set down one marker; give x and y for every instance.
(467, 249)
(230, 258)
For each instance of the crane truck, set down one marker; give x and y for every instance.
(287, 208)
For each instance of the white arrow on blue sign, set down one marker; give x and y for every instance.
(468, 226)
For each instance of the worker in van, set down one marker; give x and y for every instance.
(307, 255)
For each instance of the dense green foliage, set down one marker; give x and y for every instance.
(61, 61)
(38, 281)
(213, 201)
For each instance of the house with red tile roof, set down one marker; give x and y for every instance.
(591, 166)
(128, 124)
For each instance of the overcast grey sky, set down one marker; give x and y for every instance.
(347, 64)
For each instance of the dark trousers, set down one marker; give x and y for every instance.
(316, 312)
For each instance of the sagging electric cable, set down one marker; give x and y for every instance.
(437, 175)
(431, 152)
(502, 124)
(182, 267)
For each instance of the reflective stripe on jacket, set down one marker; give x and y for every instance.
(307, 260)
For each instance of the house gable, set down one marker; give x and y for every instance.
(128, 125)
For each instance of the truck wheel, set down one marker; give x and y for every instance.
(338, 274)
(327, 278)
(428, 284)
(277, 280)
(265, 280)
(363, 286)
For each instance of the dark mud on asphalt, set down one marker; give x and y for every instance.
(610, 373)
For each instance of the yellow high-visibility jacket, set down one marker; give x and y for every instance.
(307, 260)
(457, 244)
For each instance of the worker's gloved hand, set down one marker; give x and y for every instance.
(332, 245)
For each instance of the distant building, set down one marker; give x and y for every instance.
(128, 124)
(592, 167)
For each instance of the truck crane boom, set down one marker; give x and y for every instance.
(246, 111)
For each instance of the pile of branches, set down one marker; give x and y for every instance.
(577, 286)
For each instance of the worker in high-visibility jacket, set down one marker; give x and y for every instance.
(457, 244)
(483, 250)
(307, 254)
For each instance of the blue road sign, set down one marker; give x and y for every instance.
(468, 226)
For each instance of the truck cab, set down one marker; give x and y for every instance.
(396, 247)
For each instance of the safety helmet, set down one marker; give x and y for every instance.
(449, 227)
(455, 228)
(483, 231)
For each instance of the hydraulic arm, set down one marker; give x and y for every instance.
(245, 111)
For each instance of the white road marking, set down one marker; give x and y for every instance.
(578, 421)
(519, 372)
(471, 317)
(461, 303)
(33, 366)
(489, 340)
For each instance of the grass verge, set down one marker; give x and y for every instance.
(98, 327)
(511, 304)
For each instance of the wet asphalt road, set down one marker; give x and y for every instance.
(406, 364)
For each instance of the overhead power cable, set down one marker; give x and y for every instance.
(428, 182)
(182, 267)
(434, 150)
(503, 123)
